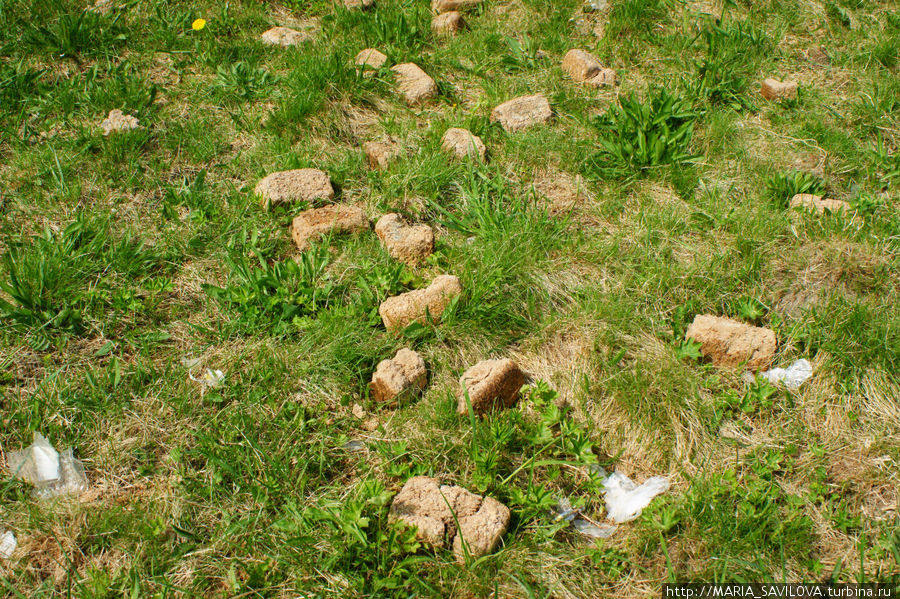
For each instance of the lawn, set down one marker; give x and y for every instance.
(131, 263)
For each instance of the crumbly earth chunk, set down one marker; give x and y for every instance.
(773, 89)
(818, 204)
(490, 384)
(118, 121)
(405, 373)
(400, 311)
(413, 83)
(448, 23)
(410, 244)
(306, 184)
(522, 112)
(317, 222)
(729, 343)
(462, 143)
(433, 509)
(285, 36)
(370, 58)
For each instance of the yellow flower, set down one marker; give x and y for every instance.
(198, 24)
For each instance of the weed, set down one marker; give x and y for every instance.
(640, 135)
(781, 187)
(277, 294)
(242, 81)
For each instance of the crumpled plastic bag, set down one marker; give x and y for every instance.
(8, 544)
(625, 500)
(564, 511)
(211, 379)
(51, 473)
(792, 377)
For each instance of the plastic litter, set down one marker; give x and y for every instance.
(354, 445)
(8, 544)
(190, 362)
(793, 376)
(564, 511)
(51, 473)
(211, 379)
(595, 5)
(625, 500)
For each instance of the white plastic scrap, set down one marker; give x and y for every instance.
(625, 500)
(564, 511)
(210, 379)
(793, 376)
(8, 544)
(51, 473)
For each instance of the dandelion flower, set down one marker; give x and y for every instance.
(198, 24)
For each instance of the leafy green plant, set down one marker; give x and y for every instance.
(520, 55)
(278, 293)
(242, 81)
(643, 134)
(377, 554)
(781, 187)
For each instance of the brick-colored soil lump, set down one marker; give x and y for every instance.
(490, 384)
(729, 343)
(818, 204)
(413, 83)
(462, 143)
(118, 121)
(434, 510)
(773, 89)
(380, 153)
(358, 4)
(312, 224)
(370, 58)
(305, 184)
(400, 311)
(285, 36)
(447, 23)
(404, 374)
(583, 67)
(410, 244)
(522, 112)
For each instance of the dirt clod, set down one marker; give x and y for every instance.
(118, 121)
(285, 36)
(773, 89)
(413, 83)
(370, 58)
(522, 112)
(380, 153)
(490, 384)
(403, 374)
(305, 184)
(312, 224)
(462, 143)
(729, 343)
(434, 509)
(400, 311)
(818, 204)
(410, 244)
(447, 23)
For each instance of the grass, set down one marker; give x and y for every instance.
(124, 258)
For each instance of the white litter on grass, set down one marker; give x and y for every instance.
(564, 511)
(51, 473)
(210, 379)
(793, 376)
(8, 544)
(625, 500)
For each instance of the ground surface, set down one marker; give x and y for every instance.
(125, 256)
